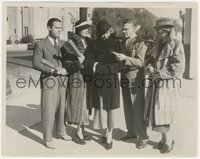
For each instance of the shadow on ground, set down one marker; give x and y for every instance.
(24, 119)
(25, 61)
(20, 117)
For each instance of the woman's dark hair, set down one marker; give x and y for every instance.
(51, 21)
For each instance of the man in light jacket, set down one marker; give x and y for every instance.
(132, 86)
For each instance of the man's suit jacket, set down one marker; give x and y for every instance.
(44, 49)
(53, 90)
(135, 51)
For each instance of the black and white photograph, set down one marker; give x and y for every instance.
(99, 79)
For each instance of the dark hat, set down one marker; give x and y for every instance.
(81, 25)
(163, 22)
(102, 27)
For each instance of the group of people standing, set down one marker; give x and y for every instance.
(87, 76)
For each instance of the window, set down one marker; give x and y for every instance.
(26, 30)
(15, 31)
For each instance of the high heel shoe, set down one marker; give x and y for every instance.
(159, 145)
(109, 146)
(78, 140)
(166, 149)
(86, 137)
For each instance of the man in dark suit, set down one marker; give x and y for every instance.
(131, 83)
(53, 83)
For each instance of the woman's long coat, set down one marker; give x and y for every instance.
(76, 108)
(163, 94)
(105, 82)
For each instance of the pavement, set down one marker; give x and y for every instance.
(23, 131)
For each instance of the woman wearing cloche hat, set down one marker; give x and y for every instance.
(162, 99)
(76, 109)
(105, 87)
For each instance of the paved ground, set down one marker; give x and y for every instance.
(23, 135)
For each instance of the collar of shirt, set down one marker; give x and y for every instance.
(52, 40)
(84, 43)
(129, 39)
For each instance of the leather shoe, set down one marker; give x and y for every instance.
(141, 144)
(78, 140)
(166, 149)
(159, 145)
(127, 137)
(51, 145)
(86, 138)
(66, 138)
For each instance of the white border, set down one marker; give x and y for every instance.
(2, 57)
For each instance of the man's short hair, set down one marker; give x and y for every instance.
(129, 21)
(51, 21)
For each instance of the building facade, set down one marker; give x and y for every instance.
(23, 21)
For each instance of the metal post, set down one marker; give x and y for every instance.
(183, 22)
(22, 20)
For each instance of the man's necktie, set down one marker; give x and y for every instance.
(55, 45)
(56, 56)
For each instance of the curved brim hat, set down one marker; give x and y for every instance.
(162, 22)
(81, 25)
